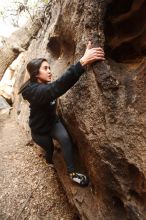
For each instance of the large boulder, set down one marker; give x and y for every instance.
(105, 111)
(5, 108)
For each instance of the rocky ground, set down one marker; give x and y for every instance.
(29, 188)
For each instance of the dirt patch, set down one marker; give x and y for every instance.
(29, 188)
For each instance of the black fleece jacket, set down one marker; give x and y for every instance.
(42, 98)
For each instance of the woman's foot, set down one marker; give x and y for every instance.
(79, 178)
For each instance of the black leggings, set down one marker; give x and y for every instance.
(59, 133)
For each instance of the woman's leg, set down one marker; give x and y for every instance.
(60, 133)
(45, 141)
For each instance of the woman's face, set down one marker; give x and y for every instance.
(44, 75)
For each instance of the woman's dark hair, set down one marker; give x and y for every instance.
(33, 69)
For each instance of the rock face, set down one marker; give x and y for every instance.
(10, 48)
(105, 111)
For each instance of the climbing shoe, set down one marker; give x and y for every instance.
(79, 178)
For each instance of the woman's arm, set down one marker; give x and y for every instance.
(42, 93)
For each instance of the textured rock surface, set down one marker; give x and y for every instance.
(105, 111)
(19, 41)
(4, 108)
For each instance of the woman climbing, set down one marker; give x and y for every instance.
(41, 93)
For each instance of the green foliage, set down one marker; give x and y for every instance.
(45, 1)
(2, 13)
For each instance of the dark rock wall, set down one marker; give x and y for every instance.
(125, 29)
(105, 111)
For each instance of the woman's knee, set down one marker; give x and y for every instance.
(63, 137)
(61, 134)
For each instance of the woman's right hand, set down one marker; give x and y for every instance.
(92, 54)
